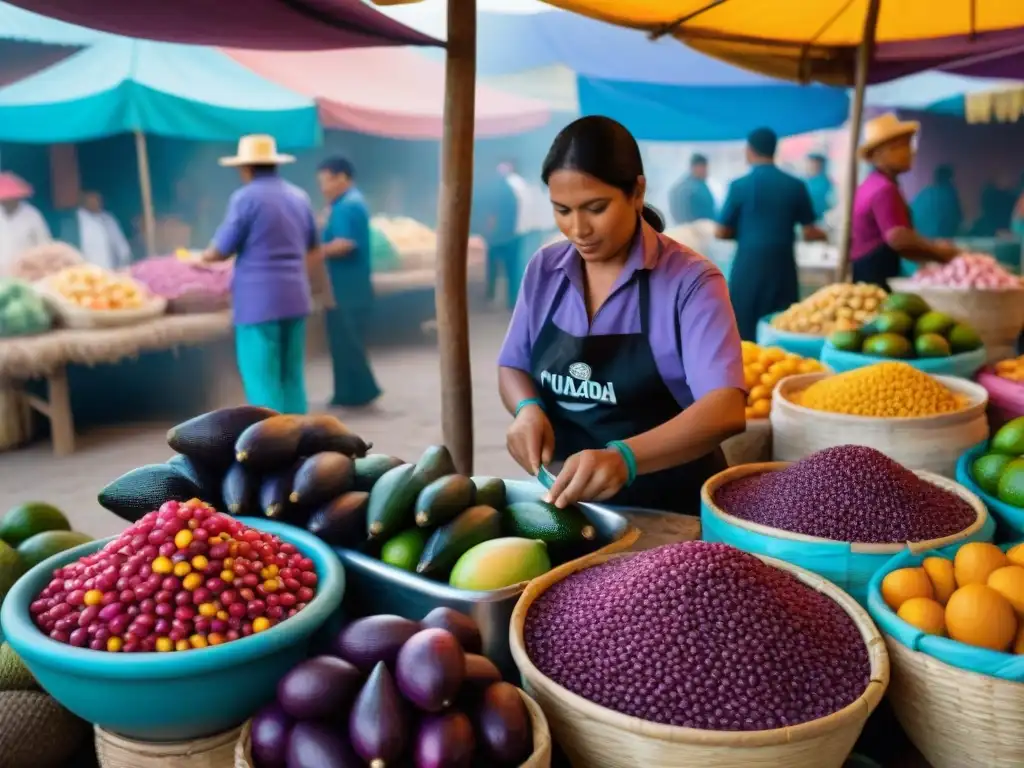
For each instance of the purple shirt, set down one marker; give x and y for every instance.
(693, 331)
(271, 227)
(878, 208)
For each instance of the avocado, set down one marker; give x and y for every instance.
(847, 341)
(452, 540)
(909, 303)
(443, 499)
(963, 338)
(275, 491)
(43, 545)
(210, 438)
(323, 432)
(271, 444)
(933, 322)
(370, 468)
(28, 519)
(144, 489)
(887, 345)
(322, 477)
(931, 345)
(342, 521)
(435, 462)
(490, 491)
(566, 531)
(391, 503)
(240, 491)
(893, 322)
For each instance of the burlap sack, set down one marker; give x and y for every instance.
(36, 732)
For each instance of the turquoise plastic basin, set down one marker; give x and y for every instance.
(171, 696)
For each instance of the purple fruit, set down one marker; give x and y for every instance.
(462, 626)
(315, 745)
(480, 672)
(378, 724)
(270, 730)
(445, 741)
(430, 669)
(318, 688)
(503, 725)
(367, 641)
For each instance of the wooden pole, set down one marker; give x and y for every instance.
(864, 54)
(146, 186)
(453, 233)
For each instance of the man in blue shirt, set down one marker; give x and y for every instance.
(761, 213)
(691, 199)
(346, 249)
(819, 185)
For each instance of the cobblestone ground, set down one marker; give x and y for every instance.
(403, 422)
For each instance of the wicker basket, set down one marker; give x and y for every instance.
(73, 316)
(113, 751)
(597, 737)
(933, 443)
(541, 757)
(956, 718)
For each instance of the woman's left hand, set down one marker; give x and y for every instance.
(593, 475)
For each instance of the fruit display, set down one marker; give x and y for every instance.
(396, 692)
(907, 328)
(1011, 370)
(979, 271)
(698, 635)
(975, 598)
(763, 369)
(91, 287)
(999, 472)
(41, 261)
(881, 390)
(175, 278)
(847, 493)
(837, 307)
(22, 310)
(183, 577)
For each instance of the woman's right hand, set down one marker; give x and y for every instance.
(530, 439)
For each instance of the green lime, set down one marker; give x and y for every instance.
(893, 321)
(933, 322)
(847, 341)
(1011, 484)
(931, 345)
(47, 544)
(910, 303)
(11, 569)
(404, 549)
(963, 338)
(887, 345)
(30, 518)
(1009, 439)
(986, 471)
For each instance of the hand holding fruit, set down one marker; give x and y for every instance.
(530, 439)
(593, 475)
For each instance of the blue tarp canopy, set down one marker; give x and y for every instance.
(19, 24)
(180, 91)
(936, 92)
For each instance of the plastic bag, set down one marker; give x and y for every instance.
(964, 365)
(803, 344)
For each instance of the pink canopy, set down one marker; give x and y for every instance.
(283, 25)
(390, 92)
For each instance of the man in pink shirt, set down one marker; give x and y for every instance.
(882, 231)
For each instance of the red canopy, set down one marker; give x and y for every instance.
(388, 92)
(284, 25)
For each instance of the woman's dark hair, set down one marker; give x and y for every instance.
(602, 148)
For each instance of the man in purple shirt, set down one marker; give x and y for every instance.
(271, 229)
(881, 231)
(622, 358)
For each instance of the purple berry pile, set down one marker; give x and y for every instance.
(698, 635)
(847, 493)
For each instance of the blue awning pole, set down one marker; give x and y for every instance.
(146, 187)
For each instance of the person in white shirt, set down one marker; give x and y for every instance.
(100, 238)
(22, 226)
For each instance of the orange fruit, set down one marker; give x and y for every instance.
(1008, 581)
(940, 571)
(761, 408)
(975, 560)
(1016, 554)
(978, 615)
(925, 614)
(904, 583)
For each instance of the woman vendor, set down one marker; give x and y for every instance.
(622, 359)
(881, 228)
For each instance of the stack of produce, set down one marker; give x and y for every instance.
(842, 307)
(44, 260)
(183, 577)
(848, 493)
(969, 270)
(1011, 370)
(396, 692)
(22, 311)
(187, 285)
(906, 327)
(763, 368)
(698, 635)
(999, 472)
(882, 390)
(94, 288)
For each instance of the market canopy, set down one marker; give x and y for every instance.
(30, 42)
(817, 39)
(300, 25)
(974, 99)
(122, 85)
(389, 92)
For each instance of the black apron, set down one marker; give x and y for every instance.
(602, 388)
(877, 267)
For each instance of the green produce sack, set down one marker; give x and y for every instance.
(383, 256)
(22, 311)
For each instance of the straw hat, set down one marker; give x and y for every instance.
(13, 187)
(885, 128)
(257, 149)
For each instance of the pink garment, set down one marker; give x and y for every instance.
(878, 208)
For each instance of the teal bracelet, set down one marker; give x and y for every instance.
(529, 401)
(627, 456)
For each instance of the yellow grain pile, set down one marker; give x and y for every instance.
(884, 390)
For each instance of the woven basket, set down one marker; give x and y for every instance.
(750, 446)
(932, 443)
(956, 719)
(997, 315)
(73, 316)
(36, 731)
(114, 751)
(596, 737)
(541, 757)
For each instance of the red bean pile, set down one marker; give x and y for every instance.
(847, 493)
(698, 635)
(181, 578)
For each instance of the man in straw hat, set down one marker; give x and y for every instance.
(881, 228)
(22, 226)
(271, 229)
